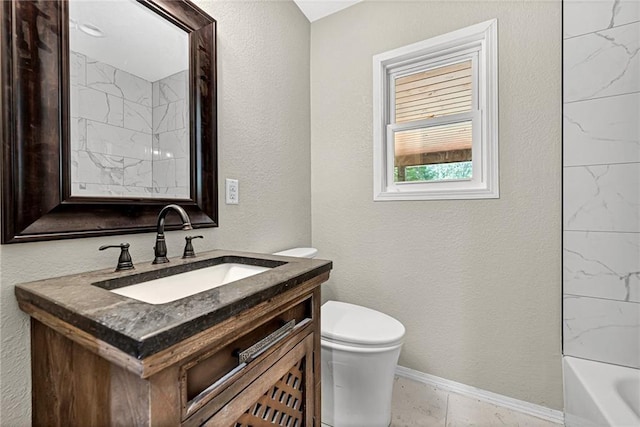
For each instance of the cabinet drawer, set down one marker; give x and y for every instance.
(203, 378)
(281, 396)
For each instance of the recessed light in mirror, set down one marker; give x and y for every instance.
(91, 30)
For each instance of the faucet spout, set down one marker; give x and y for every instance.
(160, 249)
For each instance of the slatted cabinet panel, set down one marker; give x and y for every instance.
(282, 404)
(282, 396)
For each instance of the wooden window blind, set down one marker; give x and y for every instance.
(430, 94)
(449, 137)
(434, 93)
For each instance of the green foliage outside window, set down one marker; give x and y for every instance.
(436, 172)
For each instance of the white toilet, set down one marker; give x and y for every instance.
(360, 350)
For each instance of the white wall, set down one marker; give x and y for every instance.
(264, 121)
(602, 181)
(476, 283)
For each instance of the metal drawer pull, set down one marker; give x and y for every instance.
(254, 351)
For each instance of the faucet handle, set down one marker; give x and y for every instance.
(188, 247)
(124, 261)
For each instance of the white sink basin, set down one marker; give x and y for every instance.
(171, 288)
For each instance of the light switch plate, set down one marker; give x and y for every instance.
(232, 191)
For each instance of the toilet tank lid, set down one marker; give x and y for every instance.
(299, 252)
(349, 323)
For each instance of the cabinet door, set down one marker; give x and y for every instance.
(281, 396)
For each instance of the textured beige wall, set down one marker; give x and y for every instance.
(263, 63)
(477, 283)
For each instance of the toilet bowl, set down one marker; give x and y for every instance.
(359, 352)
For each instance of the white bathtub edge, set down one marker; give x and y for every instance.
(590, 395)
(522, 406)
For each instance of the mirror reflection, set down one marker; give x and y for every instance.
(129, 102)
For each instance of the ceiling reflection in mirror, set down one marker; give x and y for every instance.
(129, 102)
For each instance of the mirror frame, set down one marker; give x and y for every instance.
(34, 99)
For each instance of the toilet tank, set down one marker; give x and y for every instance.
(299, 252)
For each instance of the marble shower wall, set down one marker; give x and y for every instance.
(170, 136)
(119, 130)
(601, 224)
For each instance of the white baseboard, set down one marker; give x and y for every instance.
(528, 408)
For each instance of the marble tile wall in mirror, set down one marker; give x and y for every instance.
(129, 136)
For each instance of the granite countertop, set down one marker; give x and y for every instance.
(141, 329)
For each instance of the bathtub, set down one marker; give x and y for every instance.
(599, 394)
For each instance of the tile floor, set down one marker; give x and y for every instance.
(445, 409)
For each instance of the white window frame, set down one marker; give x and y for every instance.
(478, 43)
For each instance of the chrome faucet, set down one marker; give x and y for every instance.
(160, 248)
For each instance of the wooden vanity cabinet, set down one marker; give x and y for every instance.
(81, 381)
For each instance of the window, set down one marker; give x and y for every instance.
(436, 117)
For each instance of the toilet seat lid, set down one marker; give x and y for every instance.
(349, 323)
(299, 252)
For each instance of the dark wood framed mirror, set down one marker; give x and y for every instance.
(37, 198)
